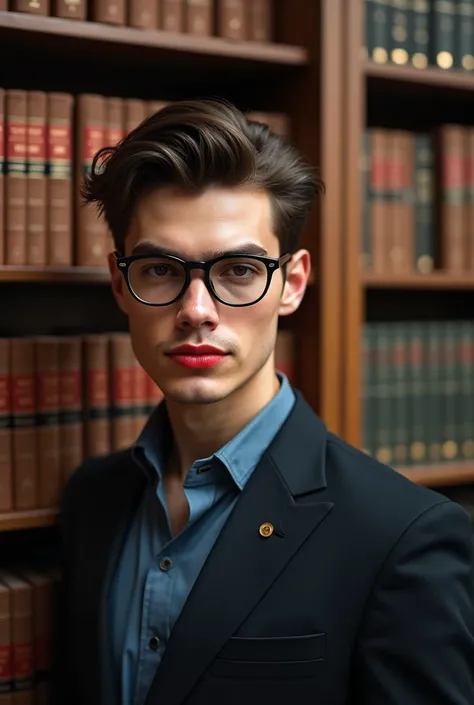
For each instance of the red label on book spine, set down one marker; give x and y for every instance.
(48, 391)
(23, 394)
(59, 143)
(5, 394)
(93, 138)
(5, 662)
(70, 385)
(98, 387)
(16, 147)
(123, 391)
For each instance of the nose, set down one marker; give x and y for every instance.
(197, 306)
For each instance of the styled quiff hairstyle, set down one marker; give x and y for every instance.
(194, 145)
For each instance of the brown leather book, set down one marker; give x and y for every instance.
(21, 611)
(59, 150)
(109, 11)
(48, 429)
(96, 398)
(199, 17)
(25, 456)
(15, 177)
(154, 106)
(114, 132)
(379, 175)
(452, 183)
(284, 354)
(143, 14)
(35, 7)
(231, 19)
(42, 585)
(259, 16)
(140, 395)
(90, 240)
(400, 207)
(70, 405)
(469, 151)
(5, 646)
(70, 9)
(135, 111)
(171, 15)
(36, 184)
(2, 183)
(6, 458)
(122, 363)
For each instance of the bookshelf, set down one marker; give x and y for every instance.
(394, 97)
(86, 57)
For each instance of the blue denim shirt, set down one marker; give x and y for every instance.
(156, 572)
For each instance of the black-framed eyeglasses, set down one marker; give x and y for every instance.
(232, 279)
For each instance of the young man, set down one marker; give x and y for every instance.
(240, 553)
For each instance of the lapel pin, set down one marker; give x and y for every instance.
(266, 529)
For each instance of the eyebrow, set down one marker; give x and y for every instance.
(153, 250)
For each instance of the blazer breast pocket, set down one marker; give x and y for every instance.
(271, 657)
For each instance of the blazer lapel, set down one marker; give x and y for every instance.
(243, 564)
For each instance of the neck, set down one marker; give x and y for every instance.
(199, 430)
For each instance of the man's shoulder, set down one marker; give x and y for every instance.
(376, 491)
(96, 473)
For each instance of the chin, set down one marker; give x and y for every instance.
(197, 391)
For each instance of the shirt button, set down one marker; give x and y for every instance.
(165, 564)
(154, 643)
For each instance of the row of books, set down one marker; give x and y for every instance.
(418, 200)
(27, 632)
(250, 20)
(47, 143)
(421, 33)
(66, 398)
(418, 392)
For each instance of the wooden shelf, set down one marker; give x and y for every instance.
(442, 474)
(431, 76)
(32, 519)
(437, 280)
(69, 275)
(71, 36)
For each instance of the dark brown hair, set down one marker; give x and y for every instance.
(194, 145)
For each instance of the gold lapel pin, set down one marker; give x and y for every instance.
(266, 529)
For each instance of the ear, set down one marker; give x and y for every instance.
(119, 287)
(298, 271)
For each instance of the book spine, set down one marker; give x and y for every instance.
(143, 14)
(449, 447)
(401, 235)
(109, 11)
(401, 32)
(399, 351)
(365, 158)
(369, 417)
(121, 391)
(451, 167)
(259, 20)
(154, 106)
(70, 404)
(42, 627)
(23, 379)
(90, 240)
(96, 395)
(230, 21)
(2, 180)
(467, 384)
(5, 645)
(6, 464)
(135, 111)
(420, 34)
(469, 151)
(285, 355)
(47, 421)
(425, 248)
(442, 33)
(59, 169)
(114, 133)
(433, 397)
(379, 187)
(416, 357)
(70, 9)
(198, 17)
(36, 184)
(21, 601)
(382, 404)
(378, 18)
(464, 41)
(171, 15)
(35, 7)
(15, 177)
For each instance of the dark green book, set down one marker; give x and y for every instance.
(401, 33)
(377, 30)
(433, 398)
(383, 386)
(464, 56)
(424, 180)
(467, 384)
(443, 33)
(368, 389)
(450, 448)
(399, 350)
(420, 42)
(416, 394)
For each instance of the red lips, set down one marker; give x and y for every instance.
(197, 356)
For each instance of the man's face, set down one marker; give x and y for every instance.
(200, 228)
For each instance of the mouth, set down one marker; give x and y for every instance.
(197, 356)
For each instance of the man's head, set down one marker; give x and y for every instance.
(197, 181)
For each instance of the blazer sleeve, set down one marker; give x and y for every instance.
(416, 640)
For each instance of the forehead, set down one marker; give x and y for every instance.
(217, 220)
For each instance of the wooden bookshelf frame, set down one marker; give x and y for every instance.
(28, 519)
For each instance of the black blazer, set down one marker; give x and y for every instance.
(362, 595)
